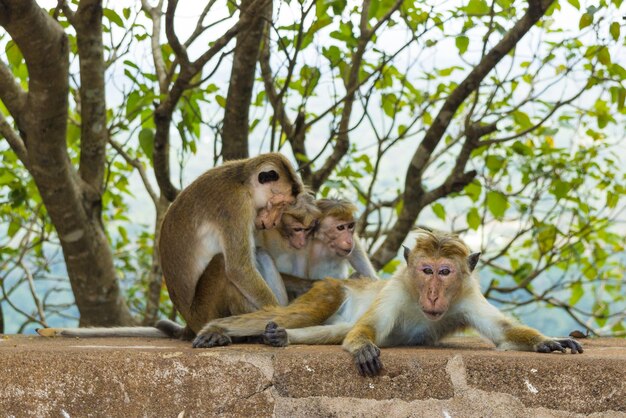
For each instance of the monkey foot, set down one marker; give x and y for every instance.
(367, 359)
(275, 336)
(561, 345)
(212, 339)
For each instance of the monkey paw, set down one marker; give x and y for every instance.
(212, 339)
(561, 345)
(275, 336)
(367, 359)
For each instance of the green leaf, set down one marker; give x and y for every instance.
(497, 204)
(577, 293)
(389, 104)
(113, 17)
(462, 42)
(391, 266)
(604, 56)
(574, 3)
(494, 163)
(146, 142)
(521, 149)
(473, 190)
(473, 219)
(14, 226)
(559, 188)
(14, 55)
(439, 210)
(477, 7)
(522, 120)
(546, 236)
(220, 100)
(585, 20)
(614, 30)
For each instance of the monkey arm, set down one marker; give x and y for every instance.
(360, 261)
(374, 327)
(509, 335)
(241, 271)
(320, 334)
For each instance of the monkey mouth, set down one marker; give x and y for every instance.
(343, 253)
(433, 315)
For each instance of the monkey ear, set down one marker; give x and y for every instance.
(268, 176)
(406, 252)
(472, 260)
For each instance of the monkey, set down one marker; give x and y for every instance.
(335, 246)
(208, 229)
(331, 250)
(284, 246)
(432, 296)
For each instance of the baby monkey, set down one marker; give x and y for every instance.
(433, 296)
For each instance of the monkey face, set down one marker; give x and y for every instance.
(295, 232)
(437, 282)
(338, 235)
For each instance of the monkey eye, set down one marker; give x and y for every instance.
(428, 270)
(341, 227)
(351, 226)
(444, 272)
(297, 230)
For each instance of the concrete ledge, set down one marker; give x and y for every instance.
(462, 378)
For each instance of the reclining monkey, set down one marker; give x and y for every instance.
(430, 298)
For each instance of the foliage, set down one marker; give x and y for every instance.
(526, 166)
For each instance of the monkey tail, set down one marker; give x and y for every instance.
(145, 332)
(173, 330)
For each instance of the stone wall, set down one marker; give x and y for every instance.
(464, 377)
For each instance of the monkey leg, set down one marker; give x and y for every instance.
(312, 308)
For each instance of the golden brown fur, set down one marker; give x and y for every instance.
(209, 228)
(433, 296)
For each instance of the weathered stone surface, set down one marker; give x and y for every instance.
(463, 378)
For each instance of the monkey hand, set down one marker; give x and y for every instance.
(558, 344)
(211, 339)
(367, 360)
(274, 335)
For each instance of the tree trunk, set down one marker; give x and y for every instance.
(72, 203)
(236, 124)
(1, 320)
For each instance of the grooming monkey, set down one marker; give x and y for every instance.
(332, 248)
(209, 229)
(327, 250)
(433, 296)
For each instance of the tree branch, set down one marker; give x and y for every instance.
(14, 140)
(413, 189)
(165, 109)
(134, 162)
(93, 138)
(12, 95)
(343, 141)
